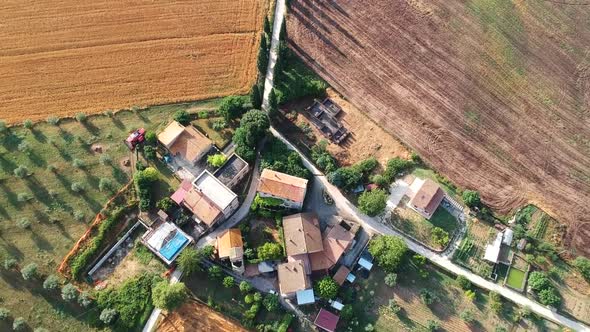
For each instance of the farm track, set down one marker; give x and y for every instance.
(64, 57)
(488, 92)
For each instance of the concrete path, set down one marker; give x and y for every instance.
(397, 192)
(279, 17)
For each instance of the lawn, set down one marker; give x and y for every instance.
(412, 223)
(515, 278)
(45, 197)
(372, 295)
(220, 138)
(445, 184)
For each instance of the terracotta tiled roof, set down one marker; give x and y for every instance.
(428, 196)
(230, 244)
(341, 274)
(302, 234)
(201, 206)
(186, 141)
(282, 185)
(336, 241)
(292, 277)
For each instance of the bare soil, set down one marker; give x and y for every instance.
(195, 316)
(60, 57)
(493, 94)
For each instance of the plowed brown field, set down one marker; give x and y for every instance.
(60, 57)
(197, 317)
(494, 94)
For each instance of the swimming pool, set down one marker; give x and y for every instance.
(170, 249)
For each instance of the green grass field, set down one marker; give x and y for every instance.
(46, 199)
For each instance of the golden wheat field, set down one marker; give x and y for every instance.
(61, 57)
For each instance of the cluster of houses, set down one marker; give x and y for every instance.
(323, 115)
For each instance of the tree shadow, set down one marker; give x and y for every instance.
(3, 212)
(41, 242)
(39, 136)
(38, 190)
(13, 278)
(91, 128)
(11, 141)
(62, 230)
(12, 250)
(64, 181)
(94, 205)
(10, 195)
(142, 117)
(66, 136)
(119, 175)
(118, 123)
(65, 155)
(7, 165)
(36, 159)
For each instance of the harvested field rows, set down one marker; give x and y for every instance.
(64, 57)
(493, 94)
(195, 316)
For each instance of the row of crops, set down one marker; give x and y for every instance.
(540, 227)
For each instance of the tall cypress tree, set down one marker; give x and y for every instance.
(273, 104)
(255, 97)
(262, 57)
(266, 26)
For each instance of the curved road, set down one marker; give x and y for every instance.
(373, 224)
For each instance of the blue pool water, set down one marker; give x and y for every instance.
(170, 249)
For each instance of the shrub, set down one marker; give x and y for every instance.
(51, 168)
(232, 107)
(3, 127)
(216, 160)
(77, 187)
(79, 215)
(151, 138)
(432, 325)
(105, 159)
(169, 296)
(24, 147)
(4, 313)
(21, 171)
(380, 180)
(471, 198)
(369, 327)
(69, 292)
(467, 316)
(182, 117)
(149, 152)
(277, 156)
(81, 117)
(29, 271)
(228, 282)
(23, 223)
(347, 312)
(107, 316)
(218, 125)
(269, 251)
(327, 288)
(583, 265)
(253, 126)
(215, 272)
(470, 295)
(538, 281)
(105, 184)
(391, 279)
(51, 282)
(427, 296)
(78, 163)
(373, 202)
(10, 263)
(84, 299)
(249, 299)
(495, 302)
(165, 204)
(271, 302)
(388, 251)
(19, 324)
(463, 282)
(285, 322)
(440, 236)
(23, 197)
(345, 178)
(245, 287)
(28, 124)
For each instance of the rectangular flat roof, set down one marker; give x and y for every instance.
(216, 191)
(305, 296)
(232, 167)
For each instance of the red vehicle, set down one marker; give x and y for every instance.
(135, 138)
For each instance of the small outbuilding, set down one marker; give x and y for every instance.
(326, 320)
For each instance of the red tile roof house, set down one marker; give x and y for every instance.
(290, 189)
(336, 241)
(427, 198)
(326, 320)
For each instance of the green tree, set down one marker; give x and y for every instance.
(380, 180)
(165, 204)
(470, 295)
(373, 202)
(391, 279)
(23, 223)
(231, 107)
(548, 296)
(262, 61)
(28, 124)
(78, 163)
(29, 271)
(84, 299)
(228, 282)
(395, 167)
(255, 96)
(432, 325)
(151, 138)
(273, 103)
(266, 26)
(583, 265)
(4, 313)
(345, 178)
(439, 236)
(215, 272)
(253, 126)
(51, 282)
(169, 296)
(77, 187)
(388, 251)
(347, 312)
(3, 127)
(189, 260)
(81, 117)
(10, 263)
(270, 251)
(271, 302)
(21, 171)
(245, 287)
(149, 152)
(327, 288)
(495, 302)
(538, 280)
(107, 316)
(471, 198)
(427, 296)
(69, 292)
(182, 117)
(463, 282)
(105, 184)
(216, 160)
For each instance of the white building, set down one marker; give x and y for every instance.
(225, 199)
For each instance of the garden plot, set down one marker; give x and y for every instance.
(472, 248)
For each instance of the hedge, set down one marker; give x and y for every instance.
(285, 322)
